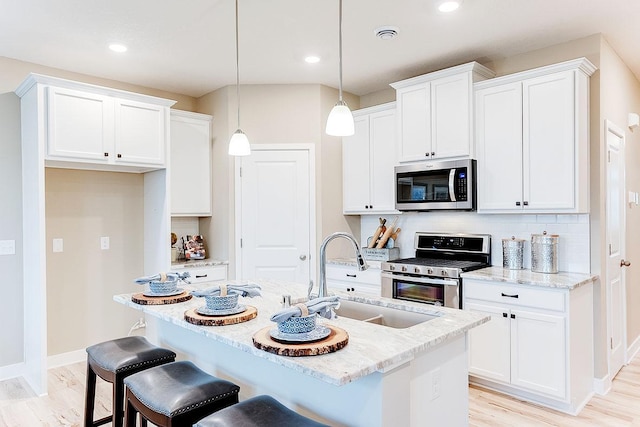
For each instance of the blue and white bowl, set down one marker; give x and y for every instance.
(221, 303)
(163, 287)
(298, 325)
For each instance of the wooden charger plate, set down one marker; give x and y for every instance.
(337, 339)
(192, 316)
(142, 299)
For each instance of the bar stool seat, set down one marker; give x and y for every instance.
(113, 361)
(259, 411)
(176, 394)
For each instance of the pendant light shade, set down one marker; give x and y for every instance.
(239, 143)
(340, 121)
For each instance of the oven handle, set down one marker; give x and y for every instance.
(425, 280)
(452, 187)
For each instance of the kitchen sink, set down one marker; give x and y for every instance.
(385, 316)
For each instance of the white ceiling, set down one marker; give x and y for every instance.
(187, 46)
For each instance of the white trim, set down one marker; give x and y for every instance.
(458, 69)
(67, 358)
(311, 149)
(633, 349)
(602, 386)
(12, 371)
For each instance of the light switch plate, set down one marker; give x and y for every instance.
(7, 247)
(58, 245)
(104, 243)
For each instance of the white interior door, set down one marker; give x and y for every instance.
(615, 211)
(276, 215)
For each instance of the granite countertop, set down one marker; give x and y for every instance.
(561, 280)
(351, 262)
(197, 263)
(372, 348)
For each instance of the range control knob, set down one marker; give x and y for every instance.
(392, 267)
(429, 271)
(444, 273)
(416, 269)
(404, 268)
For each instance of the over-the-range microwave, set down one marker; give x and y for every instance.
(427, 186)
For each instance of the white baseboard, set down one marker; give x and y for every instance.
(633, 350)
(68, 358)
(602, 385)
(11, 371)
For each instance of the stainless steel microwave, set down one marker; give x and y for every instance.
(430, 186)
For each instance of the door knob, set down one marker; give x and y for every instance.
(303, 257)
(624, 263)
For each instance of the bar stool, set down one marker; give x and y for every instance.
(259, 411)
(113, 361)
(176, 394)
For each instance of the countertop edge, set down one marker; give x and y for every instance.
(560, 280)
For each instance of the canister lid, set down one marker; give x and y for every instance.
(513, 239)
(544, 238)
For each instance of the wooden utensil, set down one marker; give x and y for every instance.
(394, 235)
(387, 234)
(378, 233)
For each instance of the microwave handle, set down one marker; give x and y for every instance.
(452, 187)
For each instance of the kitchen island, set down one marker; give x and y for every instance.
(384, 376)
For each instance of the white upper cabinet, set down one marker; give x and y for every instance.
(435, 113)
(190, 164)
(533, 141)
(368, 159)
(93, 127)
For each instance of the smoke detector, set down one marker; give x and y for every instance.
(387, 32)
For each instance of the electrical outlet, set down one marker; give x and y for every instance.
(104, 243)
(58, 245)
(435, 384)
(7, 247)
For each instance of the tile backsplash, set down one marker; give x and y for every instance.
(573, 232)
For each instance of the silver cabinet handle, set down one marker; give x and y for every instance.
(624, 263)
(303, 257)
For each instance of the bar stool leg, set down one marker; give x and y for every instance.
(90, 396)
(130, 415)
(118, 401)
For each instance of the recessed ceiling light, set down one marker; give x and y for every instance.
(448, 6)
(312, 59)
(117, 47)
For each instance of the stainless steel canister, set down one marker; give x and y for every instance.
(544, 253)
(513, 253)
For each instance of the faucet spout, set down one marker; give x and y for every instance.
(361, 263)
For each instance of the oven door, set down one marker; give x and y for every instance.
(428, 290)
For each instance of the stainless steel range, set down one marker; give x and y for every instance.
(433, 275)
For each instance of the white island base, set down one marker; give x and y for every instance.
(431, 389)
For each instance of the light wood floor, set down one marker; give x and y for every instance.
(65, 402)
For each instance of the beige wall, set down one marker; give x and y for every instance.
(620, 96)
(376, 98)
(11, 303)
(83, 206)
(274, 114)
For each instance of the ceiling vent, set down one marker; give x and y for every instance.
(386, 32)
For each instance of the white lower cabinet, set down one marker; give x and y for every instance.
(206, 273)
(349, 278)
(537, 345)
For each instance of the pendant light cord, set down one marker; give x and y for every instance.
(238, 68)
(340, 51)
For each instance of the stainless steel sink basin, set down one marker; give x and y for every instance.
(385, 316)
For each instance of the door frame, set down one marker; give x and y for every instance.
(610, 127)
(310, 149)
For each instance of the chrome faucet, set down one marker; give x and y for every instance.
(362, 265)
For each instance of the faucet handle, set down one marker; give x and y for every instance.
(310, 288)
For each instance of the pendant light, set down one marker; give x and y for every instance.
(340, 121)
(239, 143)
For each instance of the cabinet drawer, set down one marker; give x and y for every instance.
(207, 274)
(515, 295)
(349, 274)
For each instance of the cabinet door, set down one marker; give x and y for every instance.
(355, 168)
(139, 133)
(80, 125)
(549, 142)
(414, 122)
(499, 147)
(451, 116)
(489, 344)
(538, 355)
(382, 127)
(190, 166)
